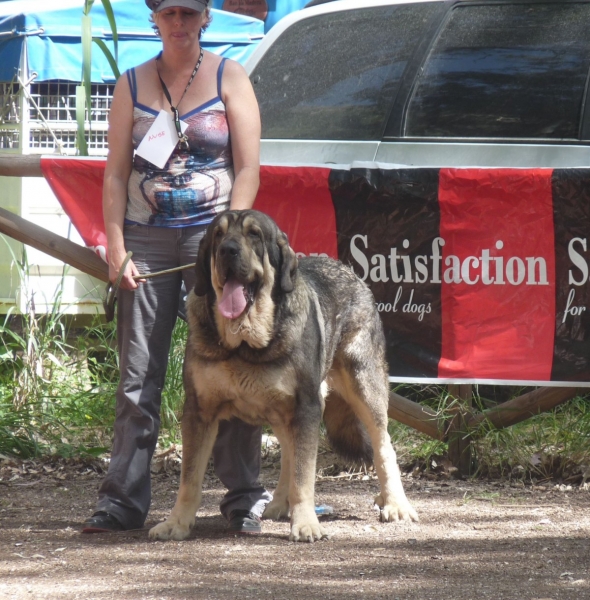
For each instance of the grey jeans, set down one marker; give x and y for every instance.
(146, 318)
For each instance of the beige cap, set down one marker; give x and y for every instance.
(158, 5)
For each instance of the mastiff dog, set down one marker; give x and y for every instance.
(288, 342)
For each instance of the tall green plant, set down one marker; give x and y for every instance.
(84, 90)
(49, 401)
(37, 340)
(173, 393)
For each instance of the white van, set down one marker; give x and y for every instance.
(442, 149)
(427, 83)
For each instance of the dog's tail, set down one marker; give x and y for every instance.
(346, 434)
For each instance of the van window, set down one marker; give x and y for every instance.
(505, 71)
(335, 76)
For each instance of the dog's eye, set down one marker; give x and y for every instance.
(255, 233)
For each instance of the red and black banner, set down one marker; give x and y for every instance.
(478, 274)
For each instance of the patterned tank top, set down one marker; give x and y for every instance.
(194, 184)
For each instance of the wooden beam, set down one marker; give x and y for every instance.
(525, 406)
(422, 418)
(20, 165)
(55, 245)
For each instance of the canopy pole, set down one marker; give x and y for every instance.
(20, 165)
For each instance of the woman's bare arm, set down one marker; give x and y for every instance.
(244, 125)
(118, 169)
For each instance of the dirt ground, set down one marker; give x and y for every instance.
(501, 540)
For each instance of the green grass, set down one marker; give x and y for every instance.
(550, 445)
(57, 393)
(173, 394)
(57, 384)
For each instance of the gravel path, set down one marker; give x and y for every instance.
(475, 540)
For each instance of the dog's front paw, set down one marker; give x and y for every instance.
(172, 529)
(400, 510)
(307, 531)
(276, 509)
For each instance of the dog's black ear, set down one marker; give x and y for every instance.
(288, 264)
(203, 265)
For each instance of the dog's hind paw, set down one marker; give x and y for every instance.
(276, 510)
(171, 529)
(307, 532)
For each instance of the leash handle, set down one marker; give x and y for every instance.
(112, 289)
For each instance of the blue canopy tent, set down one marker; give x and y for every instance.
(40, 69)
(45, 38)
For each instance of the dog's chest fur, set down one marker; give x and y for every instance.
(257, 394)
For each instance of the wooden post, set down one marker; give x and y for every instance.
(459, 440)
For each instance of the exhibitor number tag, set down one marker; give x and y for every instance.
(160, 140)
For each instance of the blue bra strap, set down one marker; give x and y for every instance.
(219, 75)
(132, 85)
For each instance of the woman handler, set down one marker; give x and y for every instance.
(184, 136)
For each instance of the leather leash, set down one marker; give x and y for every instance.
(113, 288)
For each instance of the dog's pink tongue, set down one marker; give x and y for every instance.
(233, 301)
